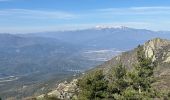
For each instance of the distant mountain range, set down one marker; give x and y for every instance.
(28, 62)
(106, 37)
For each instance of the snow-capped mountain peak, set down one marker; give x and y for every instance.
(99, 27)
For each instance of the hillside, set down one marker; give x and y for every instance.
(157, 49)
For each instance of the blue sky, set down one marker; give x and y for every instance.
(24, 16)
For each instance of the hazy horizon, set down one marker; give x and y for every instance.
(78, 29)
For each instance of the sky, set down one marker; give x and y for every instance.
(26, 16)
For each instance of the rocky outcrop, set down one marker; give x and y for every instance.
(64, 91)
(153, 47)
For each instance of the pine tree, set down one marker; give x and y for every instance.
(117, 81)
(92, 86)
(142, 75)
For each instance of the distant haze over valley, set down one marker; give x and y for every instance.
(28, 62)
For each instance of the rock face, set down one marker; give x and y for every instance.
(64, 90)
(152, 47)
